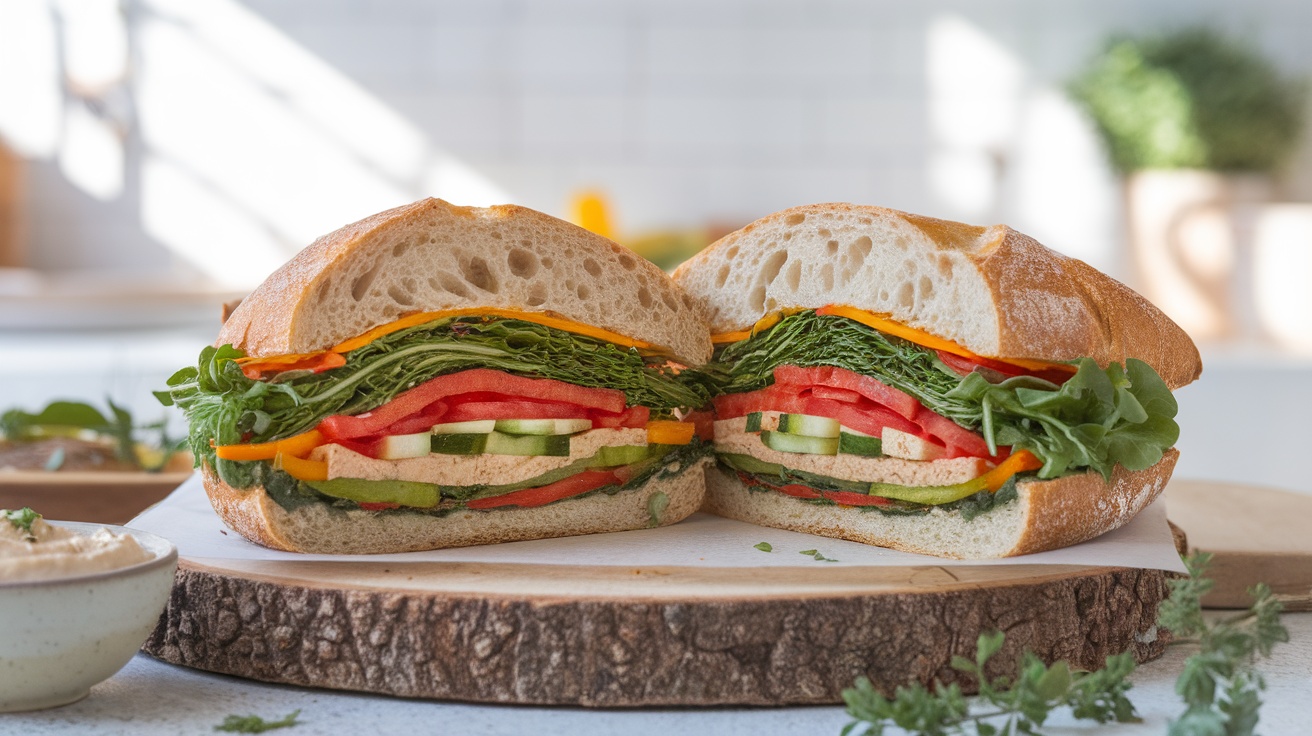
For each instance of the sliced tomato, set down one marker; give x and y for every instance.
(847, 398)
(470, 411)
(850, 498)
(588, 480)
(704, 421)
(845, 498)
(634, 417)
(380, 506)
(476, 380)
(900, 402)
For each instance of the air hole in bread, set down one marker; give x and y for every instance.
(722, 275)
(400, 296)
(770, 304)
(883, 295)
(797, 219)
(547, 263)
(858, 250)
(732, 252)
(360, 287)
(522, 263)
(591, 267)
(756, 299)
(827, 276)
(495, 235)
(788, 236)
(669, 301)
(823, 232)
(452, 284)
(793, 276)
(901, 243)
(832, 247)
(770, 269)
(537, 295)
(583, 291)
(944, 266)
(644, 297)
(906, 295)
(478, 275)
(926, 288)
(627, 261)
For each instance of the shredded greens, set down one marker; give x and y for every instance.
(224, 407)
(74, 418)
(1097, 419)
(22, 519)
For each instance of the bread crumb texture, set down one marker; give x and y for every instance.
(432, 255)
(992, 290)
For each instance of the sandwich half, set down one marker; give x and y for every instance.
(438, 376)
(931, 386)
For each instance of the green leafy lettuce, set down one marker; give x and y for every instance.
(1097, 419)
(225, 407)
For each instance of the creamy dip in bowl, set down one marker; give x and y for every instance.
(77, 601)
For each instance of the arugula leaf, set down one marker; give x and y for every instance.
(22, 519)
(1096, 419)
(224, 407)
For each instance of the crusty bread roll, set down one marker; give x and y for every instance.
(430, 256)
(321, 529)
(992, 290)
(433, 255)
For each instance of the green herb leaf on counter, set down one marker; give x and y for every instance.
(1096, 419)
(22, 519)
(1219, 685)
(764, 546)
(255, 724)
(815, 555)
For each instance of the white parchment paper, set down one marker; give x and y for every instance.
(186, 519)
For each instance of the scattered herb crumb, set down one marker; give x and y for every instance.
(815, 554)
(255, 724)
(763, 546)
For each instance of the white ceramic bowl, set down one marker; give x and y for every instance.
(59, 637)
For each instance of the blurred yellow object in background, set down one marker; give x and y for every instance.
(590, 211)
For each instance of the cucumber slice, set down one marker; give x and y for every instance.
(509, 444)
(754, 422)
(481, 426)
(458, 444)
(809, 426)
(784, 442)
(400, 446)
(402, 492)
(543, 426)
(859, 444)
(609, 457)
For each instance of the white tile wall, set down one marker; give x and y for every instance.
(685, 110)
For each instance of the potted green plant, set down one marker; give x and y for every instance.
(1197, 124)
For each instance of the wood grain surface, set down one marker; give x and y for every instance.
(623, 637)
(1254, 534)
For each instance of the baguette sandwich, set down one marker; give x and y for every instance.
(438, 376)
(931, 386)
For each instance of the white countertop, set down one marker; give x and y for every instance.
(150, 697)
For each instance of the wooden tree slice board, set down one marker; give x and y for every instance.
(1254, 534)
(613, 636)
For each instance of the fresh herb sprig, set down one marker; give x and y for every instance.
(256, 724)
(1022, 703)
(71, 418)
(224, 407)
(1097, 419)
(22, 519)
(1219, 685)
